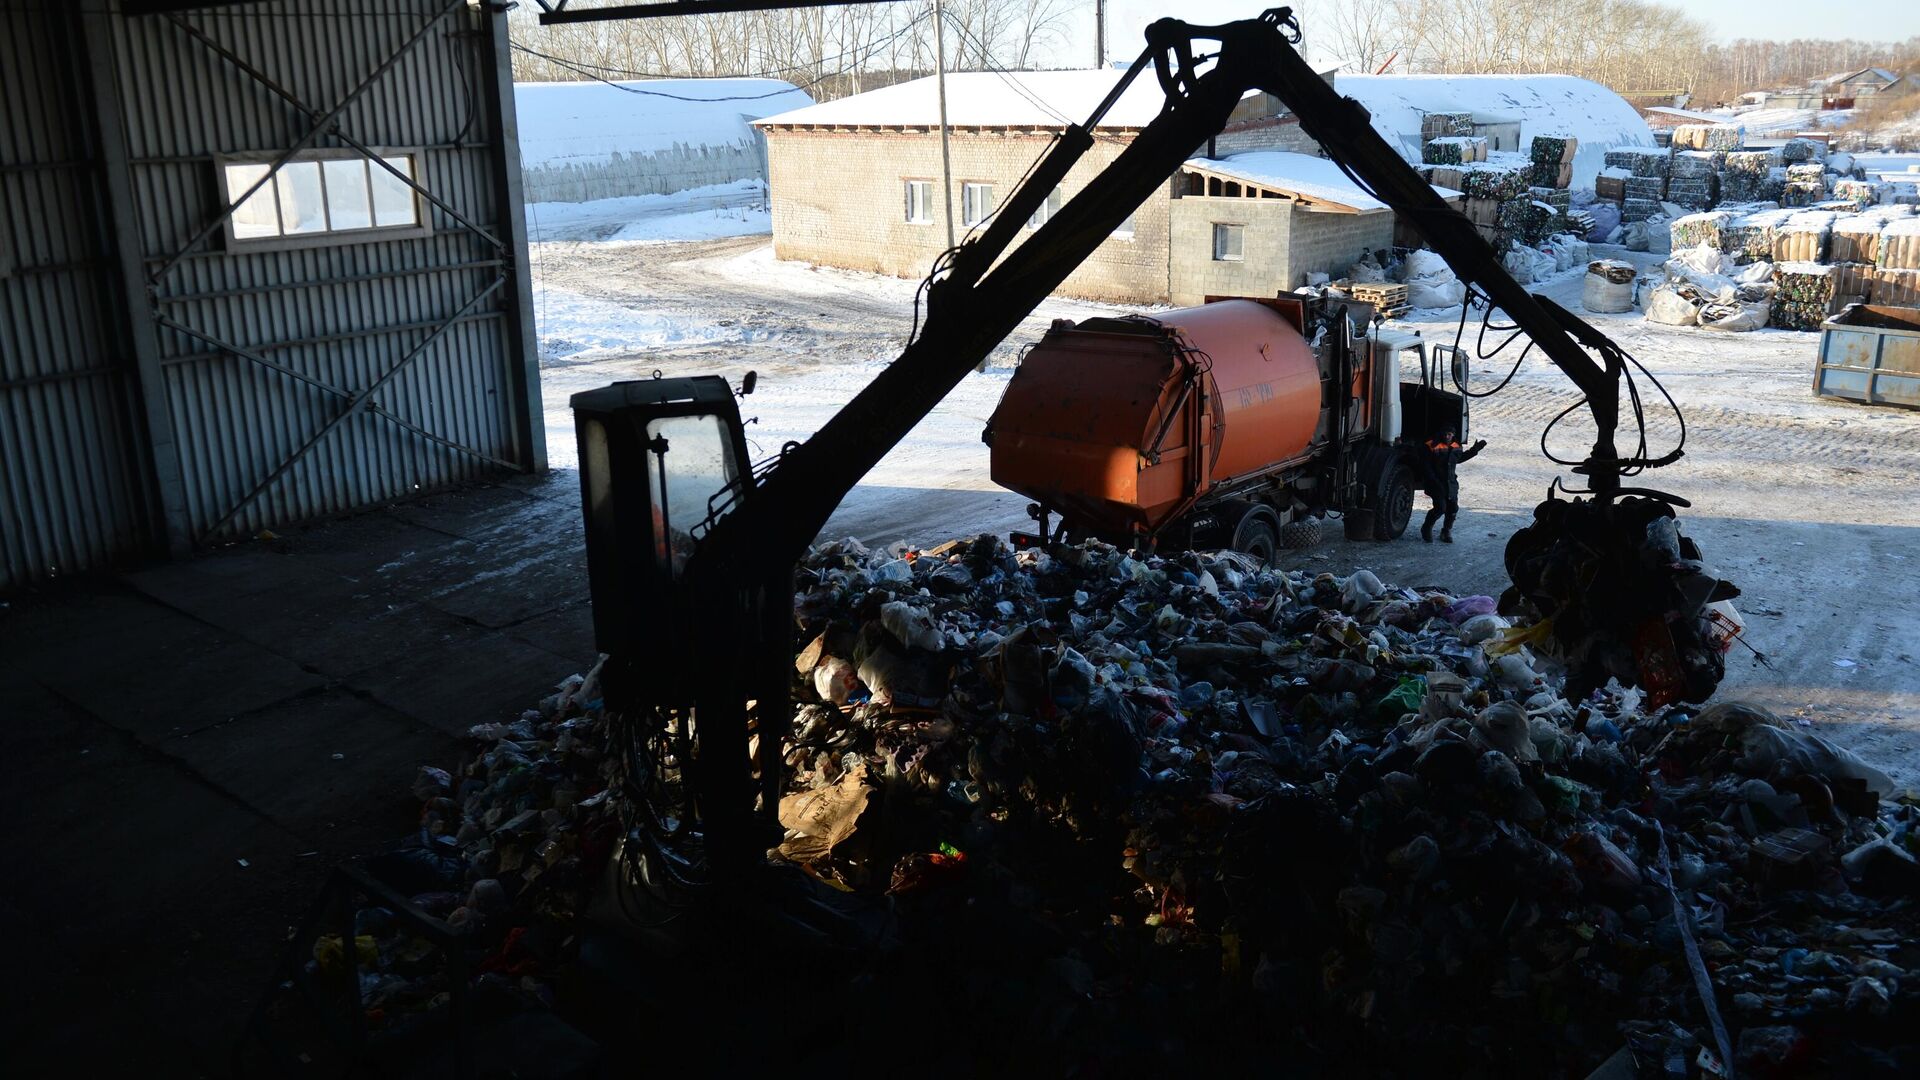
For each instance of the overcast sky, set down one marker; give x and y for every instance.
(1868, 20)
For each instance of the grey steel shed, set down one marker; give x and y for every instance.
(260, 262)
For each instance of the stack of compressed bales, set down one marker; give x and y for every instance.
(1803, 295)
(1453, 150)
(1435, 125)
(1803, 237)
(1528, 220)
(1552, 157)
(1694, 183)
(1749, 237)
(1746, 175)
(1896, 275)
(1709, 136)
(1641, 160)
(1702, 228)
(1806, 184)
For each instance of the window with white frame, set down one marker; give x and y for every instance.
(976, 203)
(919, 202)
(324, 196)
(1227, 242)
(1124, 230)
(1047, 209)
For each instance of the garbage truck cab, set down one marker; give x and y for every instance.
(1239, 424)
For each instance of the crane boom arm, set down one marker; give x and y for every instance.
(983, 298)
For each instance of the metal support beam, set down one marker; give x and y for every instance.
(93, 38)
(684, 7)
(522, 344)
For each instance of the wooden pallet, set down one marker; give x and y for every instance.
(1388, 299)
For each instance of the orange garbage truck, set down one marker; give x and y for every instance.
(1238, 424)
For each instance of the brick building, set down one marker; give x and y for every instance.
(855, 183)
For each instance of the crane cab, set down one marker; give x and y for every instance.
(660, 461)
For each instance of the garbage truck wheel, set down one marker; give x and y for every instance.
(1395, 509)
(1255, 536)
(1300, 534)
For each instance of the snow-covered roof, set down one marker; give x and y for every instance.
(990, 99)
(1312, 178)
(584, 123)
(1879, 73)
(1545, 105)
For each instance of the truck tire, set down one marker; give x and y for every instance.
(1254, 536)
(1393, 511)
(1300, 534)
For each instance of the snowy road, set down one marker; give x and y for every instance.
(1808, 505)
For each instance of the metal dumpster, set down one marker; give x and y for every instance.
(1870, 353)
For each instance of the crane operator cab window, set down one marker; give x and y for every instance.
(689, 462)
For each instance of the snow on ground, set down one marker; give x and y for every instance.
(1802, 502)
(1898, 167)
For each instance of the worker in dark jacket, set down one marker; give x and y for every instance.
(1436, 462)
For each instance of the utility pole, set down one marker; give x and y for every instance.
(940, 78)
(1099, 33)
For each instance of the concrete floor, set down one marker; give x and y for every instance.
(266, 703)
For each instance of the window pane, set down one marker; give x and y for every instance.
(1047, 209)
(976, 203)
(301, 207)
(1226, 242)
(1124, 230)
(393, 200)
(347, 204)
(258, 216)
(919, 201)
(699, 465)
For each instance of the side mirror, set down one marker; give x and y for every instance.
(747, 384)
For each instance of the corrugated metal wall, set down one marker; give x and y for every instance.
(341, 315)
(73, 491)
(251, 356)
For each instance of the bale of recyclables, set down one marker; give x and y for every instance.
(1641, 160)
(1551, 155)
(1859, 193)
(1749, 237)
(1697, 229)
(1896, 288)
(1639, 209)
(1453, 150)
(1803, 238)
(1899, 245)
(1852, 282)
(1695, 164)
(1608, 288)
(1803, 297)
(1800, 150)
(1855, 239)
(1495, 180)
(1694, 193)
(1709, 136)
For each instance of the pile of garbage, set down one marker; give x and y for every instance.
(1708, 288)
(1220, 808)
